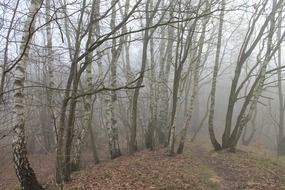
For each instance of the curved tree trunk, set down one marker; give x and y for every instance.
(230, 138)
(25, 173)
(214, 141)
(250, 103)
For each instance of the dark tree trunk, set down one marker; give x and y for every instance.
(24, 172)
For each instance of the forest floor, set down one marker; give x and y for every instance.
(199, 168)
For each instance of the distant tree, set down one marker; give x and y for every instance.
(280, 136)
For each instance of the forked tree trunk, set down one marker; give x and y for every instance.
(25, 173)
(182, 52)
(250, 103)
(194, 85)
(246, 50)
(87, 101)
(66, 129)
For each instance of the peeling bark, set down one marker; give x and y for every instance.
(24, 171)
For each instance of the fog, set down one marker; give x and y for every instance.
(85, 82)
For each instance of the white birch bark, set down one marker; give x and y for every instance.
(195, 80)
(214, 81)
(111, 97)
(88, 111)
(51, 77)
(25, 173)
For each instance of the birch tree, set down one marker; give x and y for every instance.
(24, 171)
(213, 139)
(70, 96)
(194, 84)
(63, 167)
(51, 69)
(111, 97)
(185, 30)
(87, 101)
(146, 38)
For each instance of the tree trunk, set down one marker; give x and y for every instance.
(152, 126)
(252, 98)
(280, 139)
(25, 173)
(202, 122)
(111, 97)
(51, 77)
(190, 109)
(162, 95)
(134, 112)
(65, 134)
(214, 141)
(194, 85)
(231, 138)
(87, 101)
(182, 52)
(93, 143)
(246, 141)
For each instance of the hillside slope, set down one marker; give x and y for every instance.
(198, 169)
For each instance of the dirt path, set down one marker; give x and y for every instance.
(226, 177)
(243, 170)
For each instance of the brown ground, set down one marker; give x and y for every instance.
(42, 164)
(198, 168)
